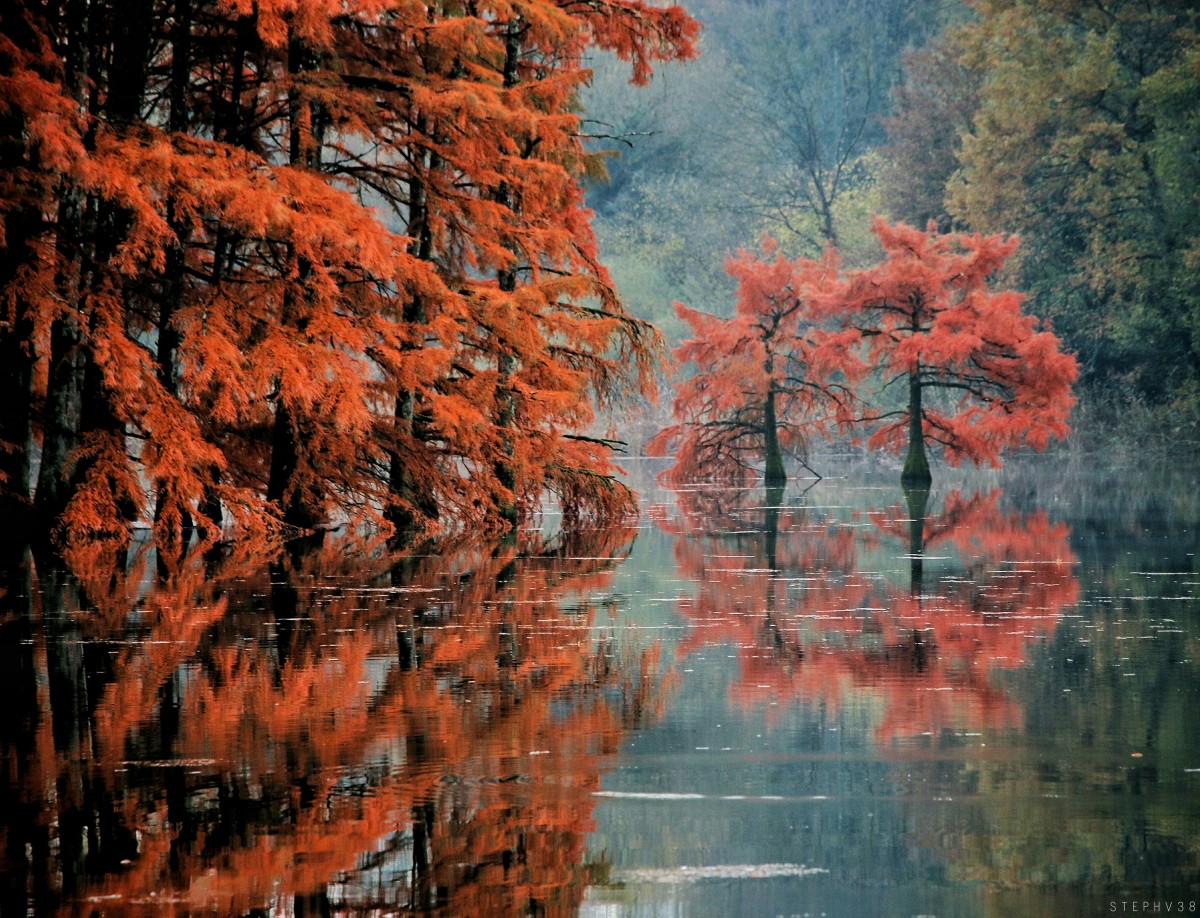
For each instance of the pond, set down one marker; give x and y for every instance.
(843, 700)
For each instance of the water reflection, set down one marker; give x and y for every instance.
(973, 701)
(239, 735)
(977, 700)
(816, 620)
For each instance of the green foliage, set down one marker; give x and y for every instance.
(772, 132)
(797, 228)
(1084, 143)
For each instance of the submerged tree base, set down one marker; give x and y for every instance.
(916, 473)
(918, 477)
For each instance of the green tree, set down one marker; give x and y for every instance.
(1079, 145)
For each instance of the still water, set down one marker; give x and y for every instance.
(843, 700)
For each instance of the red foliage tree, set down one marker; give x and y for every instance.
(931, 322)
(767, 377)
(284, 263)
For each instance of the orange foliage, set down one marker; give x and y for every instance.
(768, 378)
(929, 317)
(258, 246)
(982, 377)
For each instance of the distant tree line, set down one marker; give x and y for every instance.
(1075, 125)
(1072, 125)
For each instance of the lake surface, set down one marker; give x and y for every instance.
(843, 700)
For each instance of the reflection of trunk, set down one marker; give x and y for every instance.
(424, 886)
(409, 631)
(771, 523)
(92, 839)
(774, 475)
(771, 510)
(294, 627)
(24, 725)
(916, 463)
(917, 498)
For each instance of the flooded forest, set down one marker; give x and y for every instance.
(607, 458)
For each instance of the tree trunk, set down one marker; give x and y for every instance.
(916, 463)
(774, 475)
(62, 420)
(506, 364)
(299, 509)
(16, 378)
(506, 473)
(413, 503)
(300, 506)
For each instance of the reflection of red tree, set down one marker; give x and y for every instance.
(426, 739)
(809, 625)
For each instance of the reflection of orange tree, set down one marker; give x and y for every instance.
(426, 735)
(810, 624)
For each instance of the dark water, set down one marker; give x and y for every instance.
(845, 700)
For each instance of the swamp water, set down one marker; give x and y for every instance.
(850, 701)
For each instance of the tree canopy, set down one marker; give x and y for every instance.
(1070, 124)
(276, 264)
(808, 349)
(768, 379)
(931, 323)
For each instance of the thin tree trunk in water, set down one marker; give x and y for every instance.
(916, 495)
(916, 463)
(775, 475)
